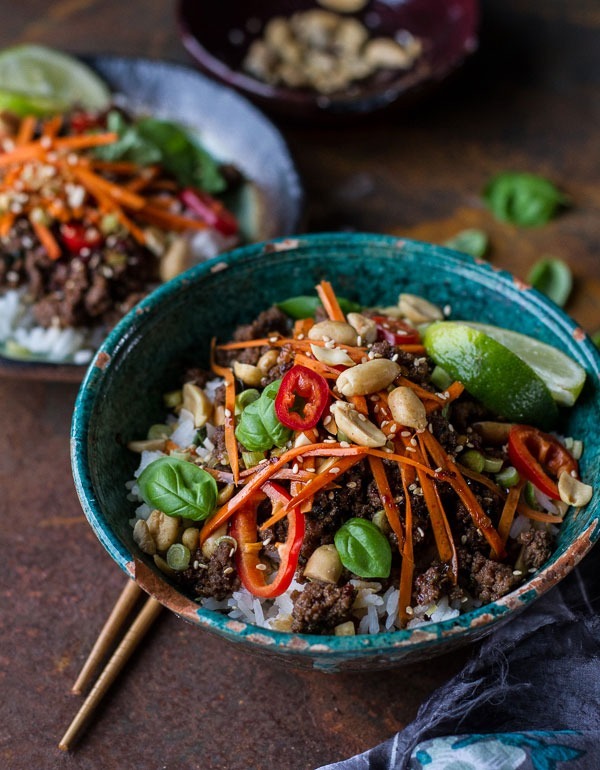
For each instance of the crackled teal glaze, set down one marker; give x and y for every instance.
(146, 353)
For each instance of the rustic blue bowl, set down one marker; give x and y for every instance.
(145, 354)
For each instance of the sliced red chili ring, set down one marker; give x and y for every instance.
(540, 458)
(245, 531)
(302, 398)
(210, 210)
(395, 332)
(77, 236)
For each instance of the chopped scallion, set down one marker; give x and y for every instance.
(252, 458)
(245, 398)
(159, 431)
(440, 378)
(492, 464)
(473, 459)
(509, 477)
(178, 557)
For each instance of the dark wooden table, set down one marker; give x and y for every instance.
(529, 100)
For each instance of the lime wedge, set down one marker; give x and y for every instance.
(563, 377)
(33, 75)
(24, 104)
(491, 372)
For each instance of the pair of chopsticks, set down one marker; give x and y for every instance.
(127, 600)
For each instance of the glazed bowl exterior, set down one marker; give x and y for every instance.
(171, 329)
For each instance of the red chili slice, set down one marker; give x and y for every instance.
(540, 458)
(302, 398)
(244, 529)
(76, 236)
(210, 210)
(396, 332)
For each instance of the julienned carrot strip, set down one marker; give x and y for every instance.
(126, 198)
(120, 167)
(52, 126)
(543, 516)
(387, 499)
(230, 439)
(26, 130)
(158, 216)
(322, 480)
(421, 392)
(329, 372)
(508, 513)
(135, 231)
(481, 479)
(440, 525)
(456, 480)
(408, 564)
(266, 472)
(25, 152)
(304, 345)
(47, 239)
(302, 326)
(6, 222)
(453, 391)
(84, 141)
(329, 300)
(403, 459)
(416, 349)
(360, 404)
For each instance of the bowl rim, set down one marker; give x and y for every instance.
(322, 647)
(371, 99)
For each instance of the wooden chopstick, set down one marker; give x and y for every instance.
(117, 617)
(121, 655)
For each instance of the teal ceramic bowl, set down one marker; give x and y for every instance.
(146, 352)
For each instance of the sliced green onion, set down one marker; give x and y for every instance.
(109, 224)
(440, 378)
(14, 350)
(530, 496)
(173, 398)
(159, 431)
(509, 477)
(473, 459)
(492, 464)
(185, 456)
(178, 557)
(245, 398)
(200, 436)
(553, 278)
(252, 458)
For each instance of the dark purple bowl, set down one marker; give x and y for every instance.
(217, 35)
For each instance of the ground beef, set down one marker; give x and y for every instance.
(218, 439)
(321, 607)
(418, 368)
(491, 579)
(198, 377)
(465, 411)
(268, 322)
(442, 431)
(537, 547)
(285, 360)
(430, 585)
(215, 577)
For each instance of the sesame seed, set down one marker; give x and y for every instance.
(351, 485)
(459, 447)
(231, 552)
(46, 142)
(438, 470)
(229, 570)
(295, 468)
(273, 339)
(420, 531)
(413, 441)
(330, 496)
(261, 566)
(345, 444)
(335, 469)
(388, 449)
(359, 340)
(394, 357)
(409, 611)
(227, 412)
(464, 599)
(410, 449)
(267, 541)
(393, 428)
(196, 564)
(405, 433)
(517, 572)
(327, 420)
(374, 397)
(310, 470)
(362, 417)
(300, 337)
(463, 539)
(531, 570)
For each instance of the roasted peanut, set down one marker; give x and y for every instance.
(324, 564)
(247, 373)
(418, 310)
(345, 629)
(338, 331)
(407, 408)
(384, 52)
(572, 491)
(175, 260)
(493, 432)
(356, 426)
(163, 566)
(164, 529)
(267, 361)
(366, 378)
(197, 402)
(142, 536)
(147, 444)
(190, 538)
(210, 545)
(365, 327)
(331, 356)
(343, 6)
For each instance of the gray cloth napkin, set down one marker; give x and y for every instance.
(529, 698)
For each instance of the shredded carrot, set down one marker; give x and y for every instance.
(543, 516)
(6, 222)
(52, 126)
(167, 219)
(267, 470)
(322, 479)
(21, 154)
(385, 493)
(46, 238)
(481, 479)
(508, 513)
(123, 196)
(329, 372)
(119, 167)
(230, 439)
(440, 525)
(26, 130)
(84, 141)
(402, 459)
(302, 326)
(453, 476)
(360, 404)
(408, 564)
(329, 300)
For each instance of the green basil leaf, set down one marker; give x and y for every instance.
(523, 199)
(553, 278)
(305, 306)
(363, 549)
(258, 428)
(150, 140)
(178, 488)
(471, 241)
